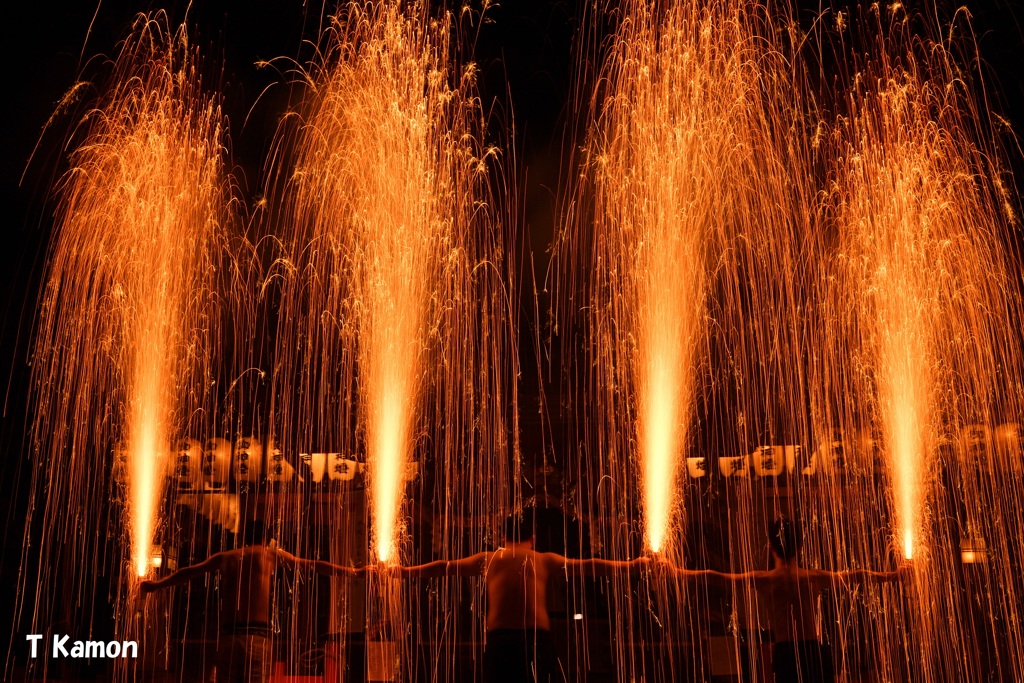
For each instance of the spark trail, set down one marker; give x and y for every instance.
(698, 188)
(689, 176)
(396, 318)
(379, 183)
(924, 287)
(127, 318)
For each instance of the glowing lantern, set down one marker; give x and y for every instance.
(156, 557)
(340, 468)
(1007, 447)
(216, 463)
(771, 461)
(696, 467)
(248, 460)
(186, 464)
(735, 466)
(973, 550)
(316, 462)
(279, 470)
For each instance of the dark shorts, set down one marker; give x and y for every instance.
(243, 653)
(803, 661)
(515, 655)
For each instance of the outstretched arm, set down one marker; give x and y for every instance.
(474, 565)
(711, 577)
(595, 567)
(318, 566)
(210, 564)
(869, 576)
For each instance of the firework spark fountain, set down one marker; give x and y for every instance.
(123, 344)
(380, 179)
(397, 292)
(716, 274)
(923, 288)
(685, 160)
(654, 204)
(699, 191)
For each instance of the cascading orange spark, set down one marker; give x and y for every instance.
(385, 179)
(670, 315)
(926, 285)
(148, 434)
(905, 201)
(395, 334)
(670, 155)
(905, 385)
(897, 220)
(127, 308)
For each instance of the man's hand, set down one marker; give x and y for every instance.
(148, 586)
(373, 570)
(384, 570)
(905, 572)
(663, 567)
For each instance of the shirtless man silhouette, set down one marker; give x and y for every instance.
(791, 592)
(518, 646)
(243, 652)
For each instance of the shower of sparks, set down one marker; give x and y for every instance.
(652, 212)
(924, 290)
(907, 205)
(396, 323)
(674, 159)
(724, 205)
(753, 269)
(698, 192)
(894, 217)
(378, 181)
(123, 340)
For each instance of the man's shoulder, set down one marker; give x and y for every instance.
(251, 552)
(229, 555)
(795, 577)
(551, 557)
(551, 561)
(772, 578)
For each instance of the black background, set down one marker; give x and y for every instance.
(526, 52)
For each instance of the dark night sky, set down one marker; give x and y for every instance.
(526, 50)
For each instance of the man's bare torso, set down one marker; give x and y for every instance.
(791, 595)
(246, 576)
(517, 588)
